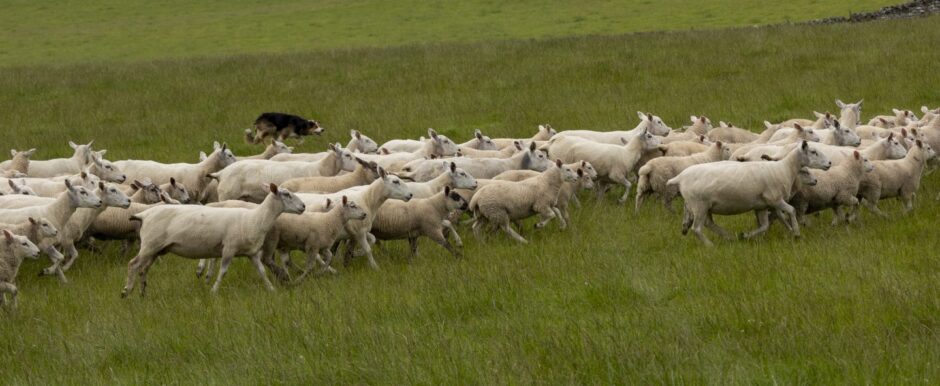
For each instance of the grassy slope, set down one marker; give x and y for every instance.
(80, 31)
(618, 298)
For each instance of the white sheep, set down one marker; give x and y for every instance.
(316, 232)
(436, 144)
(700, 126)
(358, 143)
(426, 217)
(104, 169)
(569, 190)
(13, 249)
(502, 202)
(836, 188)
(530, 158)
(731, 187)
(115, 223)
(503, 153)
(822, 121)
(245, 180)
(276, 147)
(850, 114)
(58, 212)
(544, 133)
(144, 192)
(654, 175)
(479, 142)
(78, 223)
(18, 165)
(59, 166)
(648, 123)
(194, 176)
(364, 174)
(204, 232)
(681, 148)
(728, 133)
(901, 118)
(52, 186)
(895, 178)
(19, 189)
(614, 163)
(452, 176)
(40, 232)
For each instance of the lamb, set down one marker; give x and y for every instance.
(144, 192)
(58, 212)
(104, 169)
(194, 176)
(731, 187)
(206, 232)
(569, 190)
(177, 191)
(502, 202)
(52, 187)
(833, 134)
(728, 133)
(683, 148)
(427, 217)
(545, 133)
(39, 231)
(885, 148)
(115, 223)
(479, 142)
(530, 158)
(452, 176)
(437, 144)
(358, 143)
(19, 188)
(822, 121)
(244, 180)
(649, 123)
(474, 153)
(850, 113)
(928, 116)
(613, 163)
(654, 175)
(895, 178)
(19, 164)
(901, 118)
(59, 166)
(275, 148)
(364, 174)
(700, 126)
(13, 250)
(836, 188)
(78, 223)
(747, 152)
(386, 187)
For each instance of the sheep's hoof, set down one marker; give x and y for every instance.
(124, 293)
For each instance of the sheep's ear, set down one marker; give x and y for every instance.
(13, 152)
(432, 133)
(663, 148)
(345, 201)
(767, 124)
(173, 182)
(224, 146)
(649, 117)
(68, 184)
(203, 156)
(858, 105)
(558, 162)
(797, 127)
(328, 204)
(33, 221)
(517, 144)
(382, 172)
(919, 143)
(766, 157)
(914, 132)
(84, 175)
(836, 123)
(805, 145)
(273, 188)
(447, 191)
(701, 138)
(856, 154)
(101, 153)
(532, 146)
(580, 172)
(453, 167)
(719, 144)
(137, 184)
(891, 136)
(903, 132)
(693, 118)
(477, 133)
(384, 151)
(8, 236)
(641, 115)
(924, 109)
(89, 143)
(357, 134)
(840, 104)
(216, 145)
(101, 185)
(818, 114)
(12, 184)
(624, 140)
(73, 145)
(896, 111)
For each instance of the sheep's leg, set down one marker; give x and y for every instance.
(562, 222)
(601, 191)
(201, 267)
(699, 217)
(223, 268)
(640, 195)
(626, 186)
(313, 258)
(710, 223)
(438, 236)
(71, 255)
(55, 257)
(791, 213)
(367, 249)
(546, 214)
(259, 266)
(327, 261)
(476, 230)
(453, 232)
(8, 288)
(134, 267)
(563, 211)
(873, 207)
(667, 202)
(687, 220)
(576, 201)
(413, 247)
(509, 231)
(763, 223)
(908, 200)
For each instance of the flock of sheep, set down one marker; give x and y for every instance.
(277, 201)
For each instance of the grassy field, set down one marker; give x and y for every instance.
(619, 298)
(55, 32)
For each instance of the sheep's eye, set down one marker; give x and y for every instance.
(84, 194)
(396, 182)
(24, 244)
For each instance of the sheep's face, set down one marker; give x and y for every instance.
(460, 179)
(650, 141)
(867, 166)
(537, 160)
(109, 171)
(806, 177)
(85, 179)
(281, 148)
(112, 196)
(46, 229)
(21, 189)
(151, 193)
(570, 174)
(352, 211)
(587, 183)
(179, 192)
(927, 152)
(454, 201)
(346, 159)
(809, 135)
(894, 148)
(588, 169)
(82, 152)
(443, 146)
(813, 158)
(846, 136)
(397, 190)
(545, 133)
(485, 142)
(364, 144)
(654, 124)
(82, 197)
(292, 204)
(20, 245)
(725, 151)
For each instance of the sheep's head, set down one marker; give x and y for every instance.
(845, 136)
(865, 164)
(352, 211)
(723, 149)
(588, 169)
(925, 151)
(813, 158)
(112, 196)
(46, 229)
(535, 159)
(291, 203)
(21, 188)
(281, 148)
(569, 173)
(894, 149)
(484, 142)
(806, 177)
(82, 152)
(395, 188)
(545, 133)
(81, 196)
(454, 201)
(178, 191)
(20, 245)
(443, 146)
(459, 178)
(22, 154)
(654, 123)
(107, 170)
(86, 179)
(224, 154)
(363, 143)
(850, 111)
(649, 141)
(587, 183)
(149, 191)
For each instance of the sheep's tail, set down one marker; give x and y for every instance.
(674, 181)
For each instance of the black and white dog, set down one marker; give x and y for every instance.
(281, 126)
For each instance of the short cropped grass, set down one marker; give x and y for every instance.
(56, 32)
(618, 298)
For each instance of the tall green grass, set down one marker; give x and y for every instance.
(618, 298)
(47, 32)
